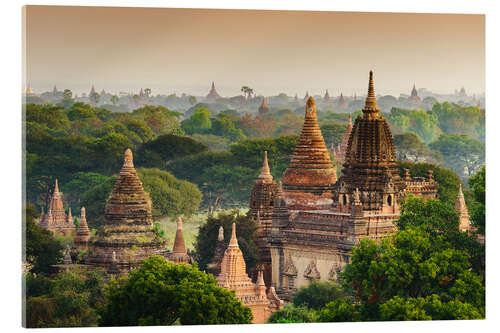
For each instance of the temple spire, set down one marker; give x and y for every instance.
(221, 234)
(234, 241)
(179, 244)
(56, 187)
(265, 172)
(371, 109)
(129, 159)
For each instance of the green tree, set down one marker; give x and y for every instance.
(247, 91)
(199, 122)
(94, 201)
(42, 250)
(114, 99)
(333, 133)
(208, 232)
(68, 300)
(163, 293)
(292, 314)
(340, 310)
(318, 294)
(477, 184)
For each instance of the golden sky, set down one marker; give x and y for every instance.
(183, 50)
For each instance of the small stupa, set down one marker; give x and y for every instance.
(179, 252)
(220, 246)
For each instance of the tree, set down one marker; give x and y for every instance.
(147, 92)
(461, 154)
(424, 124)
(318, 294)
(410, 147)
(42, 250)
(68, 300)
(199, 122)
(94, 98)
(208, 232)
(192, 100)
(478, 208)
(163, 293)
(247, 91)
(94, 201)
(114, 99)
(333, 133)
(292, 314)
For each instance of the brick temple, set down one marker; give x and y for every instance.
(56, 219)
(308, 225)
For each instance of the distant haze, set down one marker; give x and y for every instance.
(184, 50)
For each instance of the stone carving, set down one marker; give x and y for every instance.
(290, 268)
(311, 271)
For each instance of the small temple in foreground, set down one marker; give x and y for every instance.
(233, 276)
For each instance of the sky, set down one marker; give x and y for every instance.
(184, 50)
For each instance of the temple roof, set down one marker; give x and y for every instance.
(213, 93)
(310, 167)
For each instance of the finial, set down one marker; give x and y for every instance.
(56, 187)
(260, 279)
(460, 193)
(265, 173)
(129, 159)
(371, 110)
(179, 223)
(82, 213)
(310, 106)
(221, 234)
(234, 240)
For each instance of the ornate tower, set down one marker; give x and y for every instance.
(414, 95)
(128, 223)
(179, 251)
(327, 96)
(310, 169)
(213, 93)
(463, 212)
(370, 163)
(56, 219)
(83, 233)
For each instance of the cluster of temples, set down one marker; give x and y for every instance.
(310, 221)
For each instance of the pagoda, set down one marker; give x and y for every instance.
(83, 233)
(263, 108)
(220, 247)
(213, 95)
(341, 149)
(55, 219)
(128, 224)
(327, 96)
(310, 169)
(414, 96)
(233, 276)
(463, 212)
(179, 251)
(341, 103)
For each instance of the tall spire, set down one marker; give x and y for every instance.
(265, 173)
(128, 159)
(234, 241)
(56, 187)
(69, 218)
(221, 233)
(463, 212)
(179, 244)
(371, 109)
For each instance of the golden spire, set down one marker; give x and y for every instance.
(234, 241)
(129, 159)
(371, 110)
(56, 187)
(265, 173)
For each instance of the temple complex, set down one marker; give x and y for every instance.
(128, 224)
(263, 108)
(55, 219)
(463, 212)
(340, 151)
(213, 95)
(414, 96)
(233, 276)
(314, 219)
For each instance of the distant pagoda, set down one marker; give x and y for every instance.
(179, 251)
(56, 219)
(340, 151)
(414, 96)
(263, 108)
(327, 96)
(213, 95)
(463, 212)
(128, 224)
(311, 168)
(83, 233)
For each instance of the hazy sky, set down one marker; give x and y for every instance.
(184, 50)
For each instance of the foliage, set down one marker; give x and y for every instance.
(292, 314)
(457, 119)
(478, 208)
(162, 293)
(160, 119)
(68, 300)
(461, 154)
(424, 124)
(333, 133)
(42, 250)
(318, 294)
(409, 144)
(94, 201)
(339, 310)
(245, 232)
(198, 122)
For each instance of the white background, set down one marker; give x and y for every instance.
(11, 171)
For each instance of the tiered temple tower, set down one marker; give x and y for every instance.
(213, 95)
(128, 224)
(179, 251)
(263, 108)
(83, 233)
(327, 96)
(261, 210)
(310, 170)
(414, 96)
(233, 276)
(56, 219)
(463, 212)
